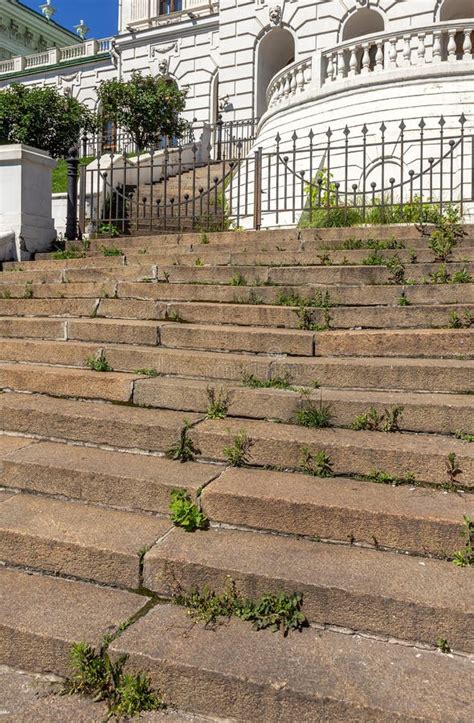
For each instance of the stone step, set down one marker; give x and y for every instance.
(93, 422)
(428, 375)
(48, 307)
(419, 521)
(101, 476)
(42, 616)
(283, 446)
(68, 382)
(389, 295)
(380, 593)
(72, 263)
(58, 290)
(435, 413)
(317, 675)
(69, 538)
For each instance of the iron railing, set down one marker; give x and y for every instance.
(392, 172)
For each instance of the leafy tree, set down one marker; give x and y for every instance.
(43, 118)
(146, 107)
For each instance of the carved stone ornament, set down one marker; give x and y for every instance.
(163, 66)
(274, 13)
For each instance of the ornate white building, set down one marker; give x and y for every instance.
(25, 32)
(296, 65)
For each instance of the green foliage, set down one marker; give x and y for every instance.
(204, 238)
(403, 301)
(440, 276)
(314, 416)
(237, 453)
(174, 316)
(396, 269)
(28, 290)
(447, 233)
(279, 613)
(111, 251)
(146, 107)
(317, 464)
(98, 363)
(276, 382)
(98, 677)
(72, 253)
(465, 557)
(252, 298)
(464, 322)
(218, 403)
(372, 421)
(442, 644)
(147, 372)
(318, 299)
(384, 478)
(461, 277)
(453, 469)
(464, 436)
(306, 317)
(238, 280)
(374, 259)
(185, 513)
(60, 173)
(111, 231)
(184, 449)
(43, 118)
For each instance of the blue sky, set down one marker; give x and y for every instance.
(100, 15)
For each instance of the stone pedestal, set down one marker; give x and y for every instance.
(26, 223)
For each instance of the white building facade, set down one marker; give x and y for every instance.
(298, 66)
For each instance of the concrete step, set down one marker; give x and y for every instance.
(42, 616)
(389, 295)
(313, 676)
(93, 422)
(69, 538)
(419, 521)
(360, 589)
(428, 375)
(438, 413)
(101, 476)
(283, 446)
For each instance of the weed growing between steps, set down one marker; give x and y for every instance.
(147, 372)
(372, 421)
(306, 318)
(317, 464)
(443, 645)
(278, 613)
(458, 322)
(464, 436)
(396, 269)
(185, 513)
(218, 403)
(319, 299)
(98, 363)
(379, 476)
(238, 280)
(465, 557)
(72, 253)
(28, 290)
(276, 382)
(102, 679)
(237, 453)
(448, 232)
(111, 251)
(184, 449)
(453, 471)
(314, 416)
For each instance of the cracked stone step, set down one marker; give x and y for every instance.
(232, 670)
(42, 616)
(429, 375)
(68, 382)
(341, 295)
(441, 413)
(381, 593)
(68, 538)
(418, 520)
(283, 446)
(95, 422)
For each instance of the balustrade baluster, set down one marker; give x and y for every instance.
(293, 81)
(436, 47)
(287, 85)
(407, 50)
(467, 44)
(452, 45)
(379, 56)
(421, 48)
(330, 70)
(301, 80)
(307, 73)
(341, 65)
(365, 60)
(392, 53)
(353, 61)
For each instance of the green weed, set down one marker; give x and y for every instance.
(184, 449)
(147, 372)
(276, 382)
(238, 280)
(465, 557)
(218, 403)
(237, 453)
(185, 513)
(372, 421)
(68, 254)
(111, 251)
(453, 469)
(314, 416)
(28, 290)
(461, 277)
(98, 363)
(396, 269)
(317, 464)
(174, 316)
(442, 644)
(464, 436)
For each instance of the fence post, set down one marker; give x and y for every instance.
(72, 173)
(257, 191)
(219, 124)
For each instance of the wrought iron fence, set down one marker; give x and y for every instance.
(389, 173)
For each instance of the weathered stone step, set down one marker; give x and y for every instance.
(68, 382)
(283, 446)
(42, 616)
(118, 479)
(430, 375)
(69, 538)
(94, 422)
(58, 290)
(389, 295)
(439, 413)
(361, 589)
(415, 520)
(82, 261)
(48, 307)
(312, 676)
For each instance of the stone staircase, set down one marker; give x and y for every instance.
(84, 507)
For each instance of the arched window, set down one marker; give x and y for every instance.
(363, 22)
(275, 51)
(456, 10)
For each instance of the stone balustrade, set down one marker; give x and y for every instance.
(442, 43)
(54, 56)
(289, 82)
